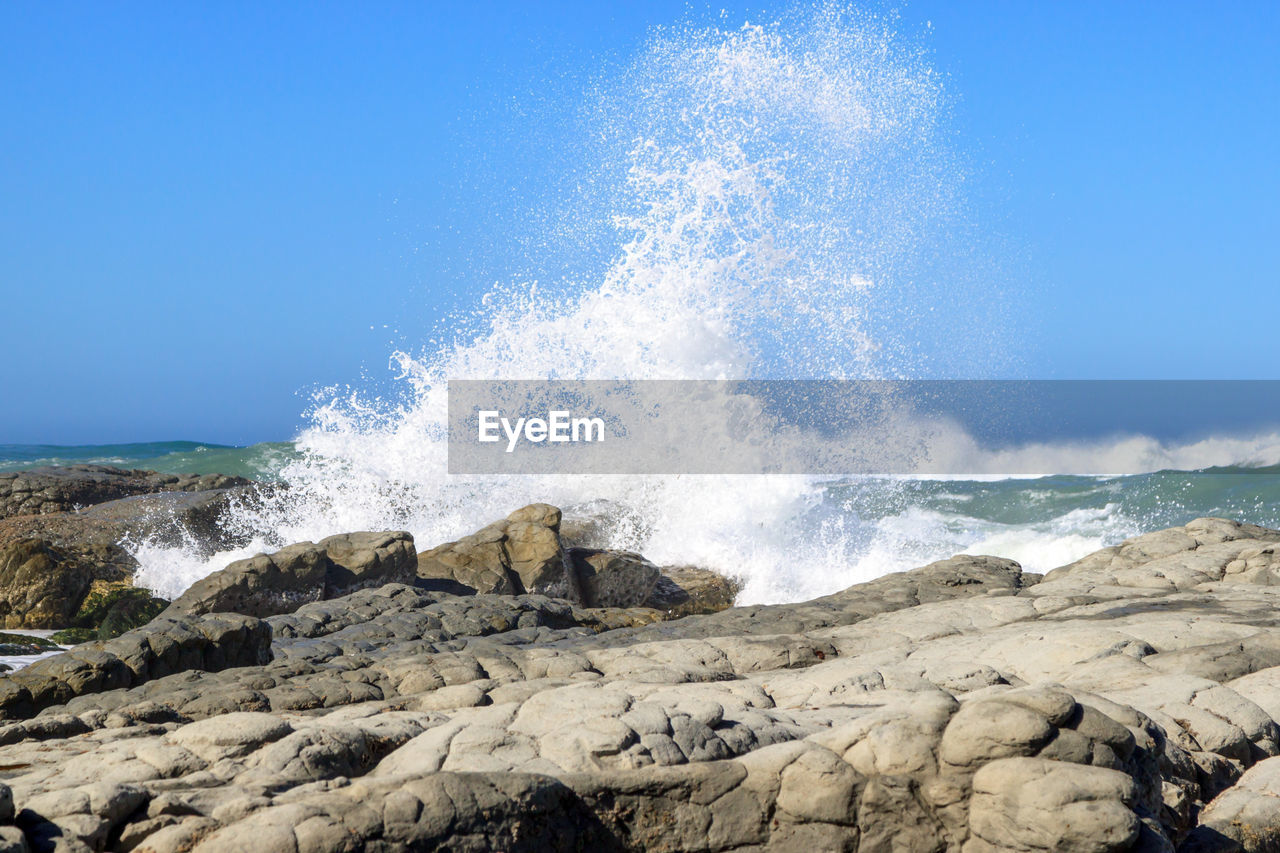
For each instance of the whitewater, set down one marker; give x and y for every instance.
(778, 198)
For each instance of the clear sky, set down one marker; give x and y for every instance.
(208, 208)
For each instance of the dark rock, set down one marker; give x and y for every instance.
(21, 644)
(613, 578)
(74, 636)
(107, 613)
(165, 646)
(689, 590)
(271, 584)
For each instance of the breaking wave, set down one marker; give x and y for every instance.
(780, 199)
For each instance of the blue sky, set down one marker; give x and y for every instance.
(206, 209)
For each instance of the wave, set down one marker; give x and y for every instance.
(779, 198)
(952, 449)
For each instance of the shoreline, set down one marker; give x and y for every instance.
(1098, 706)
(516, 689)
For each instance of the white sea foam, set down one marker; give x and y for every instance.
(950, 448)
(773, 186)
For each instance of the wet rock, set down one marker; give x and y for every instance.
(108, 611)
(689, 590)
(584, 532)
(613, 578)
(271, 584)
(21, 644)
(44, 586)
(189, 519)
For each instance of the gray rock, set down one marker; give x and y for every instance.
(1034, 804)
(613, 578)
(271, 584)
(164, 646)
(364, 560)
(230, 735)
(169, 518)
(64, 489)
(1246, 817)
(1126, 703)
(689, 590)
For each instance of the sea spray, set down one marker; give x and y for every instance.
(772, 190)
(766, 180)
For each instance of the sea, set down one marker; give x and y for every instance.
(786, 538)
(787, 200)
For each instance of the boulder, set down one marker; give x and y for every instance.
(1245, 817)
(1034, 804)
(23, 644)
(165, 646)
(271, 584)
(108, 611)
(520, 554)
(168, 518)
(44, 586)
(689, 590)
(584, 532)
(613, 578)
(363, 560)
(530, 552)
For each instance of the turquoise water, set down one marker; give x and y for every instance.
(873, 524)
(257, 461)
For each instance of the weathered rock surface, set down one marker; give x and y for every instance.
(44, 586)
(165, 646)
(1126, 702)
(689, 591)
(270, 584)
(108, 612)
(613, 578)
(166, 518)
(66, 489)
(23, 644)
(521, 554)
(1244, 817)
(526, 553)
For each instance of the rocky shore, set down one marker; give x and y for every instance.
(520, 690)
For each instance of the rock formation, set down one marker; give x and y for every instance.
(269, 584)
(66, 489)
(1128, 701)
(61, 559)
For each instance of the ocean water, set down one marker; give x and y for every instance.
(773, 201)
(788, 538)
(259, 462)
(19, 661)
